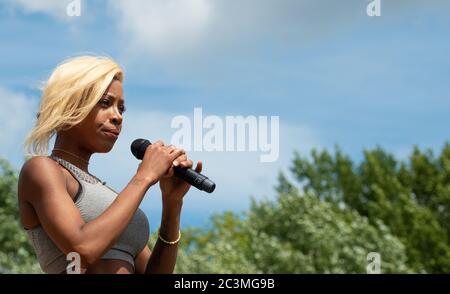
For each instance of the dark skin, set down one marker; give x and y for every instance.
(46, 193)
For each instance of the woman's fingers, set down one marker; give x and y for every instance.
(171, 148)
(182, 160)
(199, 166)
(175, 154)
(186, 163)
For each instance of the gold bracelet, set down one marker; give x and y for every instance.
(169, 242)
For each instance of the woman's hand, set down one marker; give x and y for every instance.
(157, 162)
(173, 189)
(157, 165)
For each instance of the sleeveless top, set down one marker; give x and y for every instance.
(92, 199)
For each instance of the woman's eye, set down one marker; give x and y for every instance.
(104, 102)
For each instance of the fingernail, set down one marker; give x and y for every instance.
(175, 163)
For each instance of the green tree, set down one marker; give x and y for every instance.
(334, 215)
(16, 252)
(294, 234)
(411, 198)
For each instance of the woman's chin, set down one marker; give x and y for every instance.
(105, 148)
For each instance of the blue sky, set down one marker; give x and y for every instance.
(331, 73)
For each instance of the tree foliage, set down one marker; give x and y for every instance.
(333, 216)
(16, 252)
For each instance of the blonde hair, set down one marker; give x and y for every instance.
(71, 92)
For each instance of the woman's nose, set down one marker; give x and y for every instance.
(116, 118)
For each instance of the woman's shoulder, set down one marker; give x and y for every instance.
(38, 171)
(39, 166)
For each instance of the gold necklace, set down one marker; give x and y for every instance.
(67, 152)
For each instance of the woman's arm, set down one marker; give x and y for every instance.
(42, 184)
(163, 257)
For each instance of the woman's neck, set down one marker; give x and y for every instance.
(71, 153)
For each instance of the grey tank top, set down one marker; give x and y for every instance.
(93, 198)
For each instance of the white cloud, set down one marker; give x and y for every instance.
(181, 28)
(18, 115)
(176, 28)
(163, 25)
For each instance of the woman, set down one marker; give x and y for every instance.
(65, 209)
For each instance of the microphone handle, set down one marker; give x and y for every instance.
(191, 176)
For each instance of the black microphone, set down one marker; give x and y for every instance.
(194, 178)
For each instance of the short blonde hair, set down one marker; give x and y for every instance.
(71, 92)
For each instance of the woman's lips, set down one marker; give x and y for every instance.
(111, 135)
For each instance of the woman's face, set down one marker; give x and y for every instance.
(101, 128)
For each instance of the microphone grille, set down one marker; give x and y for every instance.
(138, 147)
